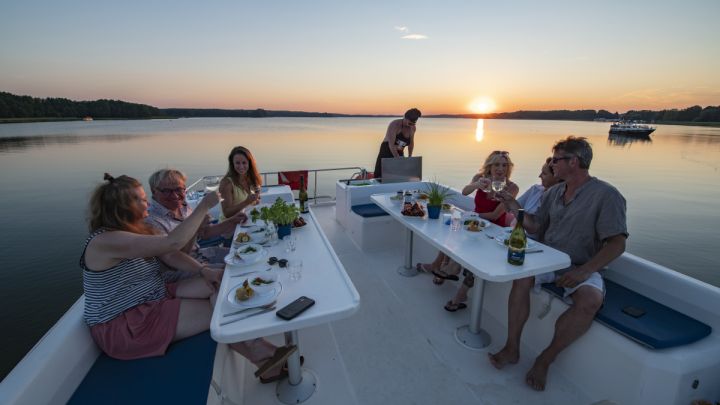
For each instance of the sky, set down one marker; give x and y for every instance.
(366, 57)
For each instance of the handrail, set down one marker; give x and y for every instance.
(360, 172)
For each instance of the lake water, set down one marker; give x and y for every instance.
(47, 170)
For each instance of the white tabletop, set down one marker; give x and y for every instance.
(474, 250)
(323, 279)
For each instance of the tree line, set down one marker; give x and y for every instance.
(12, 106)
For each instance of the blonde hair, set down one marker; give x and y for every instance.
(494, 157)
(112, 206)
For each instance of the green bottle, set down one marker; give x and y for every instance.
(517, 242)
(303, 196)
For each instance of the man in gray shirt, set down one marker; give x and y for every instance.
(585, 218)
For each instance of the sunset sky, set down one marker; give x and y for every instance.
(374, 57)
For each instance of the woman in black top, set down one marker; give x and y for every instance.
(400, 133)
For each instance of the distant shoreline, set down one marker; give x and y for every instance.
(444, 116)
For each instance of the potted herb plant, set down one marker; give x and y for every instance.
(282, 215)
(436, 196)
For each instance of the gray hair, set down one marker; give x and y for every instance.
(578, 146)
(164, 174)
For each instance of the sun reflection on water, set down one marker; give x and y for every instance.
(480, 130)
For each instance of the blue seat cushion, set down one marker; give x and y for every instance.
(369, 210)
(181, 376)
(644, 320)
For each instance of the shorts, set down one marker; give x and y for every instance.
(595, 280)
(145, 330)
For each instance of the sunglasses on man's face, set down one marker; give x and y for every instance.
(170, 191)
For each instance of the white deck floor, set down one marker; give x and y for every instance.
(399, 348)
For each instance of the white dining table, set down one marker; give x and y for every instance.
(474, 251)
(323, 279)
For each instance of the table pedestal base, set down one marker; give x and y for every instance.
(407, 272)
(473, 341)
(295, 394)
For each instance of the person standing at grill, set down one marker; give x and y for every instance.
(400, 134)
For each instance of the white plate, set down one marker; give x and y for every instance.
(261, 297)
(501, 241)
(483, 224)
(233, 260)
(265, 275)
(259, 238)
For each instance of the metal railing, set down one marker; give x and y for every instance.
(212, 182)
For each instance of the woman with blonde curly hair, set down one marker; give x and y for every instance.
(497, 167)
(132, 313)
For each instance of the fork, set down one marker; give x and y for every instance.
(248, 316)
(247, 309)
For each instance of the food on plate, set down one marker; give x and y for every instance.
(413, 210)
(243, 237)
(260, 281)
(298, 222)
(475, 225)
(423, 196)
(245, 251)
(245, 292)
(446, 207)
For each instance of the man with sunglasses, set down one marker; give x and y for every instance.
(168, 209)
(584, 217)
(400, 134)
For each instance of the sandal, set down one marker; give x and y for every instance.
(423, 268)
(450, 307)
(279, 357)
(438, 280)
(443, 275)
(282, 374)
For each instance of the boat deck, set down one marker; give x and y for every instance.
(399, 347)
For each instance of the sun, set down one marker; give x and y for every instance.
(482, 105)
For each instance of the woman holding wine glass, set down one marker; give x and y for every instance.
(493, 177)
(240, 187)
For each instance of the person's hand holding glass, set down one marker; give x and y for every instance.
(497, 185)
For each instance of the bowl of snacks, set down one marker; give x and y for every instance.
(474, 225)
(245, 254)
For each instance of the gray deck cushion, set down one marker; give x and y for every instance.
(368, 210)
(644, 320)
(181, 376)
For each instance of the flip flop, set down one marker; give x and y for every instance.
(281, 354)
(450, 307)
(279, 376)
(438, 280)
(441, 274)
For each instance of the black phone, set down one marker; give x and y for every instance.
(295, 308)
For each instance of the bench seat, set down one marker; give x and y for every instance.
(181, 376)
(642, 319)
(368, 210)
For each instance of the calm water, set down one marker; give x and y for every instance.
(47, 170)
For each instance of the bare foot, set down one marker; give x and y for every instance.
(537, 376)
(503, 358)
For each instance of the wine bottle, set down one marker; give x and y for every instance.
(517, 242)
(303, 196)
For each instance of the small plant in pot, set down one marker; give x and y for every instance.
(282, 215)
(437, 194)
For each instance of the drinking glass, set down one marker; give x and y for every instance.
(295, 269)
(498, 185)
(211, 183)
(456, 220)
(290, 243)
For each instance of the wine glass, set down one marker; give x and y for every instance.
(498, 186)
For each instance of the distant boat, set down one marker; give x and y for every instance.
(631, 128)
(88, 118)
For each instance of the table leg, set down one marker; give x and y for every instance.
(407, 268)
(472, 335)
(300, 384)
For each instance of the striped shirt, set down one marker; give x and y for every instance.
(111, 292)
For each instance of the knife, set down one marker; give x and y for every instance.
(248, 316)
(533, 250)
(272, 304)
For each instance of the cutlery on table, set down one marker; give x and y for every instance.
(249, 272)
(248, 316)
(247, 309)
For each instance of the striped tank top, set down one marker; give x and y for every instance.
(111, 292)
